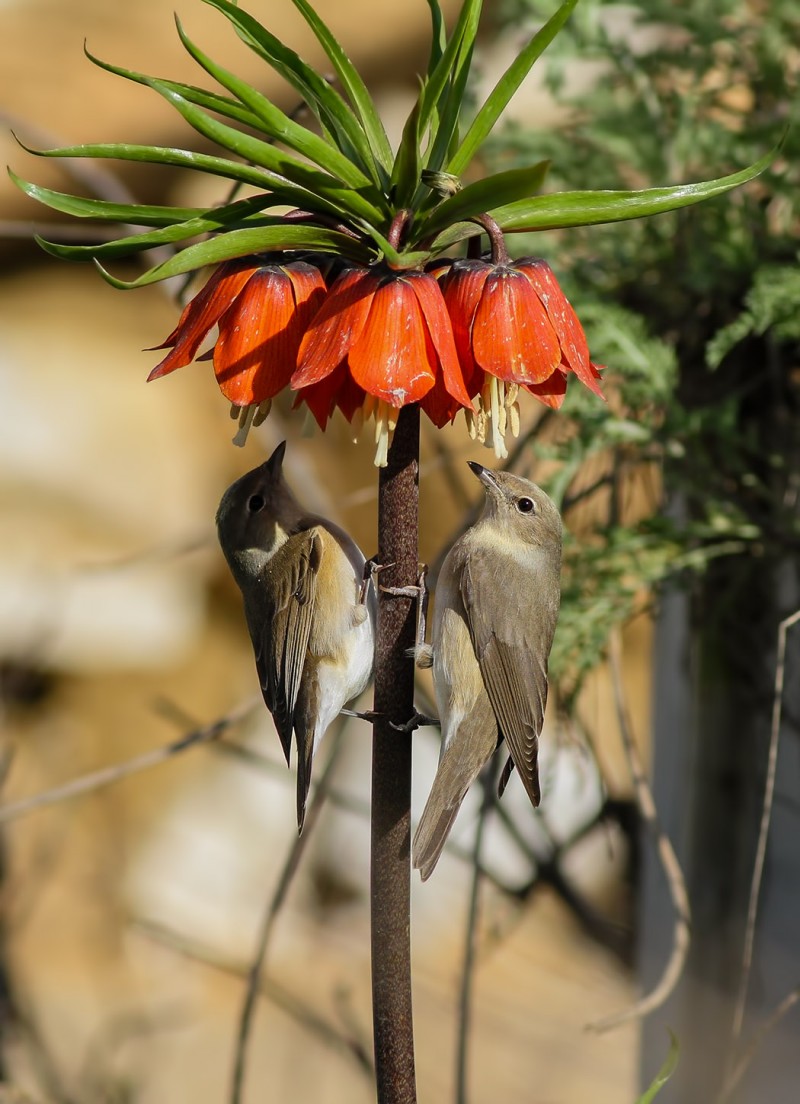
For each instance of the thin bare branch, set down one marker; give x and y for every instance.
(470, 943)
(107, 776)
(763, 831)
(275, 993)
(274, 905)
(740, 1068)
(666, 853)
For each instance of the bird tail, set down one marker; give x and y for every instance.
(431, 836)
(305, 759)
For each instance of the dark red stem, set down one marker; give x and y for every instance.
(398, 493)
(498, 242)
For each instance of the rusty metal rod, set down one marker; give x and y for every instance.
(390, 893)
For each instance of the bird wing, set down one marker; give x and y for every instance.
(512, 650)
(283, 625)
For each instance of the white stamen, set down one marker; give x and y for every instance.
(245, 422)
(469, 418)
(513, 411)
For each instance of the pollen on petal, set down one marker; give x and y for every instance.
(512, 337)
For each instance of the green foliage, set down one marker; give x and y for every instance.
(694, 312)
(347, 175)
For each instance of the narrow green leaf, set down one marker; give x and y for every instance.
(284, 166)
(328, 106)
(276, 123)
(664, 1074)
(104, 211)
(200, 96)
(405, 174)
(505, 88)
(241, 243)
(450, 71)
(479, 197)
(353, 85)
(209, 222)
(438, 35)
(562, 209)
(281, 190)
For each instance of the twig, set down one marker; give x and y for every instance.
(470, 944)
(666, 853)
(277, 994)
(739, 1070)
(274, 905)
(763, 831)
(106, 776)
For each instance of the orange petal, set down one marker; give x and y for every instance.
(462, 290)
(512, 338)
(393, 359)
(335, 326)
(574, 348)
(258, 340)
(202, 313)
(440, 332)
(552, 391)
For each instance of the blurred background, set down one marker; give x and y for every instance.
(131, 913)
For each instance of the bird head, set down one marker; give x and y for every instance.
(520, 509)
(258, 512)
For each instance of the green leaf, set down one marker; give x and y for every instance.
(281, 166)
(208, 222)
(664, 1074)
(405, 174)
(505, 88)
(328, 106)
(200, 96)
(241, 243)
(445, 71)
(479, 197)
(451, 74)
(564, 209)
(104, 211)
(352, 84)
(276, 123)
(438, 35)
(168, 155)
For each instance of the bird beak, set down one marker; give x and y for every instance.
(485, 475)
(275, 462)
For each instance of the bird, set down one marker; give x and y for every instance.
(309, 607)
(496, 608)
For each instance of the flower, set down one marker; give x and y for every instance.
(513, 327)
(262, 308)
(381, 339)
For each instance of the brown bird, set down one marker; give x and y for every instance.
(309, 612)
(496, 609)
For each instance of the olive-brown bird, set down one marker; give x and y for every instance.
(497, 603)
(310, 618)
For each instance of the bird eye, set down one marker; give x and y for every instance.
(255, 503)
(525, 505)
